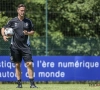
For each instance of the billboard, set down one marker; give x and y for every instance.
(54, 68)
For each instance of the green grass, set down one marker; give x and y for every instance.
(51, 87)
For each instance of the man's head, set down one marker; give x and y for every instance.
(21, 10)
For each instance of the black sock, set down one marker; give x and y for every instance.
(31, 81)
(19, 81)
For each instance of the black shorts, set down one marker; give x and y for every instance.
(17, 55)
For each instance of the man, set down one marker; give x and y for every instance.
(20, 45)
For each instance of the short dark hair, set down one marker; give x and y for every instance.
(21, 5)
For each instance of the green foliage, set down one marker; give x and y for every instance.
(55, 43)
(3, 47)
(37, 1)
(38, 44)
(3, 20)
(73, 26)
(76, 17)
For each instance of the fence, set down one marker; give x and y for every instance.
(56, 35)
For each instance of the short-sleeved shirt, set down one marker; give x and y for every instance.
(19, 40)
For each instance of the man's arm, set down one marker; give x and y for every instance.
(31, 29)
(3, 35)
(28, 33)
(3, 29)
(2, 32)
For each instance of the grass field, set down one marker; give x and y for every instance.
(51, 87)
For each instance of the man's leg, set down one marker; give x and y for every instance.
(18, 74)
(16, 58)
(30, 74)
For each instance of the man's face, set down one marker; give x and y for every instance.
(21, 11)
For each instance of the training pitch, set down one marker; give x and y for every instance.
(51, 87)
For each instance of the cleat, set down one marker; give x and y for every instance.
(19, 86)
(33, 86)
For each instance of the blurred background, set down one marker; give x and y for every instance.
(62, 27)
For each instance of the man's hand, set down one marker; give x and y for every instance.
(5, 38)
(25, 32)
(28, 33)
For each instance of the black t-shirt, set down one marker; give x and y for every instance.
(19, 40)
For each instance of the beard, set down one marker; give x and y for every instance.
(21, 15)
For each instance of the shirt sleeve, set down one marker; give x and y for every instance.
(8, 25)
(31, 26)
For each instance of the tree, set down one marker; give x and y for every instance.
(73, 26)
(75, 19)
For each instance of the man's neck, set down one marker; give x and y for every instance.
(20, 18)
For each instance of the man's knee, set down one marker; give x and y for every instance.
(17, 65)
(29, 64)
